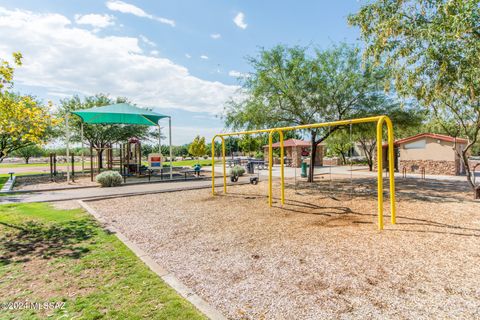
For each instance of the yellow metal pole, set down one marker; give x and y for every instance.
(282, 174)
(224, 167)
(307, 126)
(391, 167)
(379, 174)
(213, 165)
(270, 165)
(378, 119)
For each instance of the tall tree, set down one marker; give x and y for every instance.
(99, 136)
(339, 144)
(197, 148)
(249, 144)
(433, 48)
(7, 70)
(28, 152)
(23, 120)
(289, 87)
(405, 118)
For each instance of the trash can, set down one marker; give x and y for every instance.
(250, 169)
(304, 169)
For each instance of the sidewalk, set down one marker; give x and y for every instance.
(96, 192)
(357, 171)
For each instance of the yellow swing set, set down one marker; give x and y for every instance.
(379, 120)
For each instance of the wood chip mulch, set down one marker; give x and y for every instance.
(321, 255)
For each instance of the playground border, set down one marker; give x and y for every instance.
(8, 186)
(6, 193)
(165, 275)
(133, 194)
(123, 195)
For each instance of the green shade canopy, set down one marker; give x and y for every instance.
(120, 113)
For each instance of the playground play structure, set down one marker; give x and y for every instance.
(121, 113)
(379, 120)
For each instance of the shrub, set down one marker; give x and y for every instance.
(237, 171)
(259, 155)
(109, 179)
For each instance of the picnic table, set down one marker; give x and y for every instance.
(190, 171)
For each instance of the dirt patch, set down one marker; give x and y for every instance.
(44, 183)
(320, 256)
(66, 205)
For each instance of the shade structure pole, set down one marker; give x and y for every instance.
(67, 136)
(83, 151)
(160, 140)
(170, 143)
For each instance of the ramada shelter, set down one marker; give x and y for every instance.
(431, 152)
(294, 151)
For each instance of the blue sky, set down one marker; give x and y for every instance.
(181, 57)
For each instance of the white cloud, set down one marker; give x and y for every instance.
(60, 58)
(95, 20)
(123, 7)
(154, 52)
(238, 74)
(147, 41)
(184, 134)
(204, 57)
(239, 20)
(215, 36)
(187, 56)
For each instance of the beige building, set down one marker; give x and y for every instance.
(294, 151)
(432, 152)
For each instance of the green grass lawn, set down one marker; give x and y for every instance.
(190, 163)
(64, 257)
(2, 181)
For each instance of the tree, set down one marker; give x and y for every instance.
(197, 148)
(232, 145)
(29, 151)
(180, 151)
(432, 48)
(99, 136)
(249, 144)
(289, 87)
(339, 144)
(217, 147)
(7, 71)
(23, 120)
(406, 119)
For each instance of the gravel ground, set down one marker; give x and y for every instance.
(44, 183)
(318, 257)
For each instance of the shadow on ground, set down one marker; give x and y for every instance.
(405, 189)
(23, 241)
(343, 190)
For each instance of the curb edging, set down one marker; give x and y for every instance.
(8, 186)
(170, 279)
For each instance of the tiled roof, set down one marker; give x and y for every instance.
(431, 135)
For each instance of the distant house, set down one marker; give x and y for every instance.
(294, 151)
(433, 152)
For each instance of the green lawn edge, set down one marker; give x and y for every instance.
(110, 280)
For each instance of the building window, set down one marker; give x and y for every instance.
(420, 144)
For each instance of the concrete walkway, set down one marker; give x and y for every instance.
(93, 193)
(128, 190)
(357, 171)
